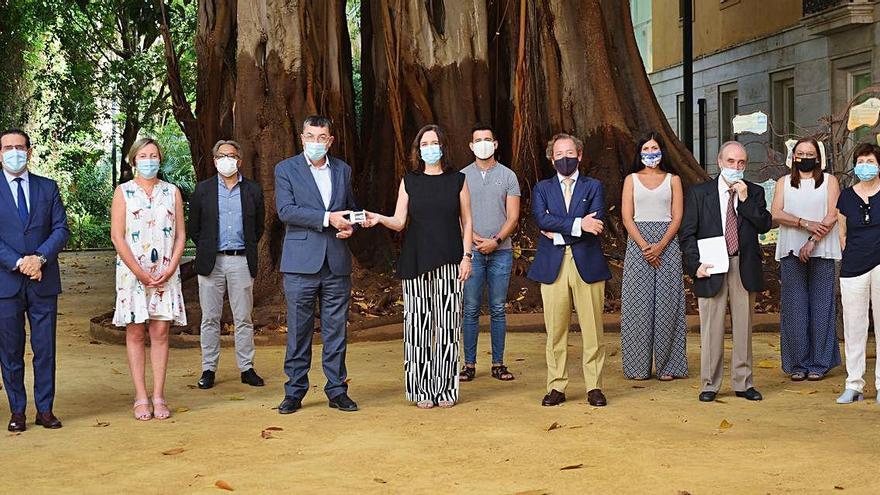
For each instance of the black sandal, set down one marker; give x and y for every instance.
(501, 372)
(467, 374)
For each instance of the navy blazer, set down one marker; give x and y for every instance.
(46, 233)
(548, 207)
(300, 208)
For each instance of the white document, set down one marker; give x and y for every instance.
(713, 250)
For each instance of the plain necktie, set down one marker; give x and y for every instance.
(567, 191)
(22, 201)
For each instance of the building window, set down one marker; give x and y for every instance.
(857, 80)
(728, 105)
(680, 116)
(782, 109)
(641, 18)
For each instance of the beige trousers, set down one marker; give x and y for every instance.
(589, 302)
(712, 311)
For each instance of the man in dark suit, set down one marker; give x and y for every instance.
(313, 195)
(226, 216)
(33, 230)
(711, 209)
(569, 209)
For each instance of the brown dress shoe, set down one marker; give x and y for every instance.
(48, 420)
(596, 398)
(554, 398)
(17, 423)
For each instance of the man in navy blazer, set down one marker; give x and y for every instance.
(569, 209)
(313, 195)
(33, 230)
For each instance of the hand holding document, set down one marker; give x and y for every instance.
(713, 250)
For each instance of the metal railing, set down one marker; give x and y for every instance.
(816, 6)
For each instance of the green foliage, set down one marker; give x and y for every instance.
(177, 167)
(353, 15)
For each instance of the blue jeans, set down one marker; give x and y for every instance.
(492, 270)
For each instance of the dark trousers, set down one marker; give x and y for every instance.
(42, 314)
(301, 292)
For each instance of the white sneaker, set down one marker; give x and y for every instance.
(849, 396)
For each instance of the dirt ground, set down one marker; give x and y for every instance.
(653, 437)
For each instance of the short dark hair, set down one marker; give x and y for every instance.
(818, 173)
(483, 127)
(318, 121)
(19, 132)
(651, 135)
(866, 149)
(416, 155)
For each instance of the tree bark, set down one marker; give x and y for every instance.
(293, 60)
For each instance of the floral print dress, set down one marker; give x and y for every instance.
(150, 233)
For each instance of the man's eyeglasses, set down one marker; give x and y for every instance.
(310, 138)
(227, 155)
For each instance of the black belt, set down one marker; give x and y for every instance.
(232, 252)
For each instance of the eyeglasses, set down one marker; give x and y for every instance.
(227, 155)
(18, 147)
(311, 138)
(805, 155)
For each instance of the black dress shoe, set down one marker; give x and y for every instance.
(751, 394)
(554, 398)
(289, 405)
(17, 423)
(344, 403)
(707, 396)
(48, 420)
(596, 398)
(252, 378)
(207, 380)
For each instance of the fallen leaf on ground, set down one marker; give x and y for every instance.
(101, 424)
(574, 427)
(274, 428)
(838, 487)
(768, 364)
(533, 492)
(379, 480)
(224, 485)
(573, 466)
(638, 386)
(175, 451)
(236, 397)
(554, 426)
(725, 425)
(266, 435)
(519, 359)
(115, 371)
(181, 409)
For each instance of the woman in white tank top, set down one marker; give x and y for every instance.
(804, 207)
(652, 325)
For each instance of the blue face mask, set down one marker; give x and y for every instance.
(651, 160)
(14, 160)
(148, 168)
(732, 175)
(431, 154)
(315, 151)
(865, 171)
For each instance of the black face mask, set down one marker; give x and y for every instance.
(806, 164)
(566, 165)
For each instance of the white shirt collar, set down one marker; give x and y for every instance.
(9, 177)
(574, 176)
(722, 185)
(321, 168)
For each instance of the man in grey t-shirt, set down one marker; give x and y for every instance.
(495, 195)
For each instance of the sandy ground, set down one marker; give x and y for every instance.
(653, 437)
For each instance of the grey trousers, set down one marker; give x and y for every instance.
(230, 272)
(712, 311)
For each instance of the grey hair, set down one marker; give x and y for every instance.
(727, 144)
(318, 121)
(220, 143)
(578, 144)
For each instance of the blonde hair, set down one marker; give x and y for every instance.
(578, 144)
(141, 144)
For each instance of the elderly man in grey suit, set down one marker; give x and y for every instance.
(314, 197)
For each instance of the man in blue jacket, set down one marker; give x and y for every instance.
(33, 230)
(313, 195)
(569, 264)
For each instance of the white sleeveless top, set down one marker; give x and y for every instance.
(808, 203)
(652, 205)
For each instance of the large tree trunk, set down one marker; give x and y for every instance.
(293, 60)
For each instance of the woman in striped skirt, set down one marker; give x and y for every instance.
(434, 262)
(652, 326)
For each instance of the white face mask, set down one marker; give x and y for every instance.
(484, 149)
(226, 166)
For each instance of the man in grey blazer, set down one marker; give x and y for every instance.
(313, 196)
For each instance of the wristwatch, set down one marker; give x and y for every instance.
(43, 259)
(498, 240)
(469, 256)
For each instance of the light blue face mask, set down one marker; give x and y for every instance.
(315, 151)
(732, 175)
(14, 160)
(148, 168)
(865, 171)
(431, 154)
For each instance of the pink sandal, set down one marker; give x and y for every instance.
(142, 417)
(160, 402)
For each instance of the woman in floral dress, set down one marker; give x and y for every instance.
(147, 229)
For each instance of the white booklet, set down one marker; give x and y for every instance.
(713, 250)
